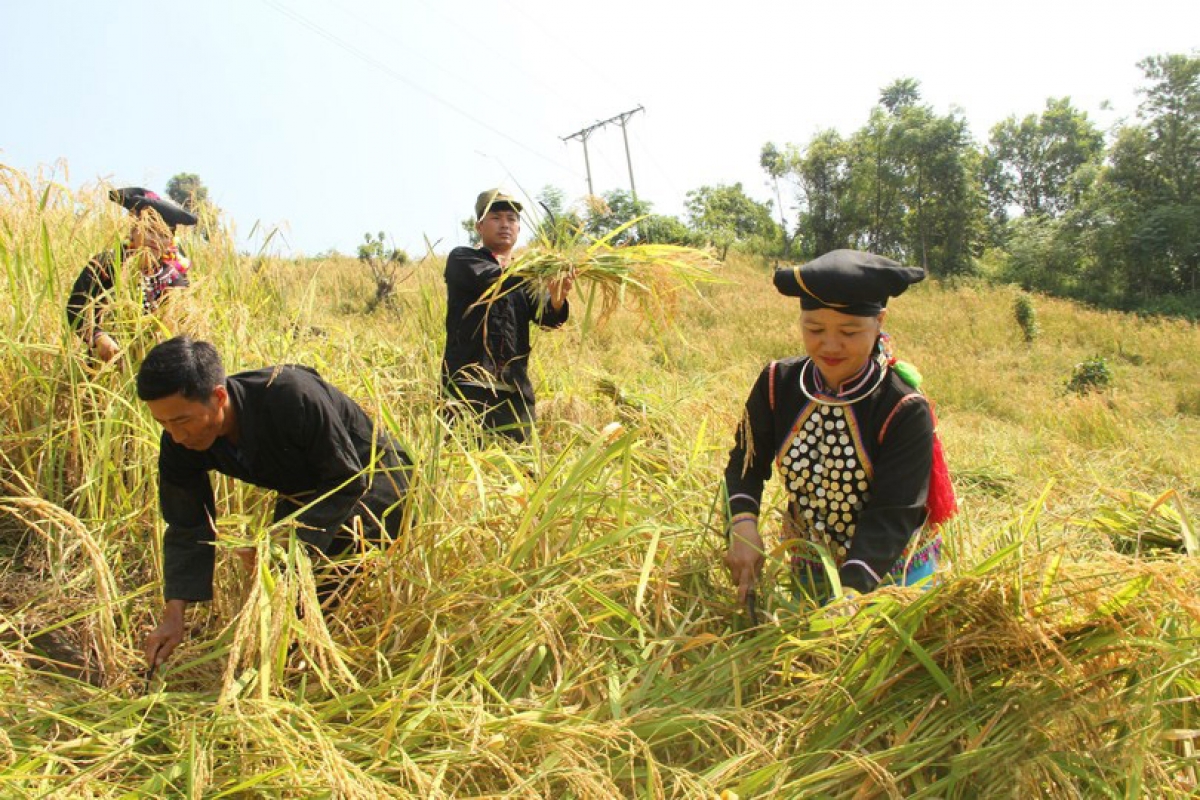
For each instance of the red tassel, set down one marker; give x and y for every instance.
(941, 504)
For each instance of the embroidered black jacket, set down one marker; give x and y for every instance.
(856, 468)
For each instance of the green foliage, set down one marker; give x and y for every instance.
(905, 185)
(189, 191)
(468, 226)
(665, 229)
(384, 263)
(553, 200)
(941, 194)
(900, 94)
(822, 172)
(611, 211)
(1120, 229)
(1188, 401)
(1090, 375)
(375, 249)
(1026, 316)
(1125, 234)
(775, 164)
(1042, 255)
(557, 224)
(1030, 163)
(726, 216)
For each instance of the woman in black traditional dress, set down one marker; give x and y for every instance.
(151, 248)
(851, 436)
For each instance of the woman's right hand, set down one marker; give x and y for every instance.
(745, 556)
(105, 348)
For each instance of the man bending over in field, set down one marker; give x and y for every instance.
(283, 428)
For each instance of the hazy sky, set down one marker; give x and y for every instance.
(330, 118)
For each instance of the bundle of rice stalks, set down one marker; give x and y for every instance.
(652, 274)
(1138, 523)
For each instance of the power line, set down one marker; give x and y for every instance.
(657, 164)
(379, 65)
(434, 9)
(597, 71)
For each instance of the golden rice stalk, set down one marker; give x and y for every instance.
(652, 274)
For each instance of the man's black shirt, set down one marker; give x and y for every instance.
(488, 344)
(297, 435)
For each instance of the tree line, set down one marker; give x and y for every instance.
(1049, 201)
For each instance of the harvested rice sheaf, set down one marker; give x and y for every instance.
(650, 274)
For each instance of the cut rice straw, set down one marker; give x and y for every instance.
(652, 274)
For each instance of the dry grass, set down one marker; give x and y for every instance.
(557, 625)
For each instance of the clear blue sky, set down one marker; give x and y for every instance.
(334, 117)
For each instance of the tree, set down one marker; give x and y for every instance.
(468, 226)
(725, 215)
(823, 175)
(775, 164)
(665, 229)
(900, 94)
(1172, 114)
(944, 202)
(609, 212)
(189, 191)
(1127, 232)
(384, 263)
(879, 176)
(905, 185)
(1155, 176)
(557, 224)
(1029, 163)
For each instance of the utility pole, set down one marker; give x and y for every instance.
(621, 119)
(583, 133)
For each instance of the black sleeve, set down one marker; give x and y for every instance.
(545, 314)
(472, 272)
(85, 305)
(186, 497)
(749, 465)
(896, 508)
(314, 418)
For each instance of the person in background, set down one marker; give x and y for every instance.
(486, 362)
(851, 436)
(155, 256)
(282, 428)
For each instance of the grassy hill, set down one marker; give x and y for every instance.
(557, 624)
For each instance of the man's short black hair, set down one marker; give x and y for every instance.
(183, 366)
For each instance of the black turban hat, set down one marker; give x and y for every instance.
(135, 198)
(848, 281)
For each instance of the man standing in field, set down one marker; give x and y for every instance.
(486, 362)
(282, 428)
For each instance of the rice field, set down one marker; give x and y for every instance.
(558, 623)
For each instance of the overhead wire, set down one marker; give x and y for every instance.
(502, 57)
(591, 69)
(510, 64)
(392, 73)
